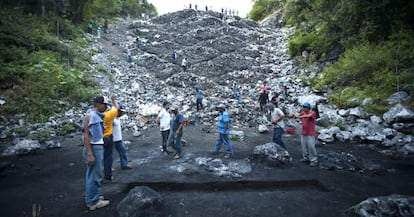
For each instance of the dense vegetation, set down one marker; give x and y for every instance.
(368, 45)
(43, 66)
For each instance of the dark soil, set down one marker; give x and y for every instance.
(54, 180)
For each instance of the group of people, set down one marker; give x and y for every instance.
(307, 116)
(98, 28)
(101, 133)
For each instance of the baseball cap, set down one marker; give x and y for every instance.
(307, 105)
(101, 99)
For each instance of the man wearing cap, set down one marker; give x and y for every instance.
(163, 121)
(93, 131)
(177, 123)
(308, 118)
(277, 116)
(224, 132)
(109, 117)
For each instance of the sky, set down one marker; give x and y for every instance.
(167, 6)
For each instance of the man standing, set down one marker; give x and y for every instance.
(176, 133)
(118, 143)
(277, 116)
(199, 98)
(184, 64)
(93, 131)
(163, 121)
(308, 134)
(109, 117)
(224, 132)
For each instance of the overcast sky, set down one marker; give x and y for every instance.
(166, 6)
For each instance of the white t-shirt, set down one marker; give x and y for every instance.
(117, 131)
(275, 115)
(165, 119)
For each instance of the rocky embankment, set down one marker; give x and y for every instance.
(228, 58)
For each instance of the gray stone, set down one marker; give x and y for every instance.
(397, 97)
(141, 201)
(24, 146)
(358, 112)
(398, 113)
(393, 205)
(272, 154)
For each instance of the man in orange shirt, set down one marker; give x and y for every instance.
(108, 119)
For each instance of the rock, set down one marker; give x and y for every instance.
(344, 136)
(141, 201)
(24, 146)
(263, 128)
(397, 97)
(393, 205)
(398, 113)
(358, 112)
(234, 168)
(327, 135)
(51, 144)
(272, 154)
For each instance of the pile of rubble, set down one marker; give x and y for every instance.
(228, 59)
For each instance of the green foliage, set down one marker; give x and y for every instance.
(371, 42)
(370, 70)
(263, 8)
(38, 71)
(313, 42)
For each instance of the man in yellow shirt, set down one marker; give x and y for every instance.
(108, 119)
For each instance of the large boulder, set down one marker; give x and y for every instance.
(398, 113)
(393, 205)
(141, 201)
(272, 154)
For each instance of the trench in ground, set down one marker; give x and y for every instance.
(246, 185)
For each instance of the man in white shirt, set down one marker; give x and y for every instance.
(163, 121)
(118, 143)
(277, 116)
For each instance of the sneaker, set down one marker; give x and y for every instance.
(313, 163)
(99, 204)
(227, 156)
(305, 160)
(177, 156)
(127, 167)
(101, 197)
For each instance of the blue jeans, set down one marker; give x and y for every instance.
(176, 142)
(199, 103)
(108, 158)
(277, 137)
(164, 135)
(93, 175)
(119, 146)
(224, 137)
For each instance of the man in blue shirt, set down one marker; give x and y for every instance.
(224, 132)
(176, 131)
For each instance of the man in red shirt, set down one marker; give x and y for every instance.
(308, 118)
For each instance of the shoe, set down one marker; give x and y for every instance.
(99, 204)
(177, 156)
(127, 167)
(227, 156)
(107, 180)
(305, 160)
(101, 197)
(313, 163)
(215, 153)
